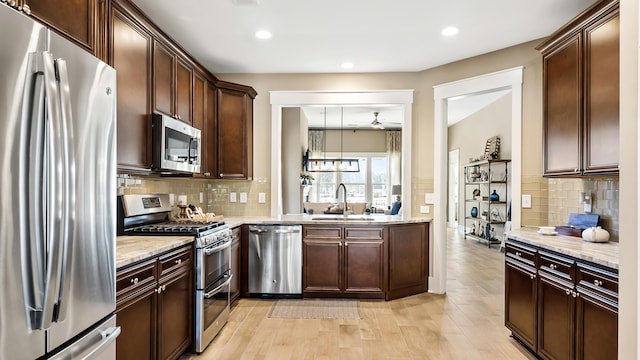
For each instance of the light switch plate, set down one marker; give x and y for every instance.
(262, 198)
(201, 198)
(243, 197)
(425, 209)
(429, 198)
(526, 201)
(232, 197)
(172, 199)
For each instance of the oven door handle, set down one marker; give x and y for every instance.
(208, 251)
(217, 290)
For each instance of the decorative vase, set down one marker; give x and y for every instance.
(474, 212)
(494, 196)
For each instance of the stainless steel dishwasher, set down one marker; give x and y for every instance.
(275, 261)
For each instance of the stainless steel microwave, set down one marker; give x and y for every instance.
(176, 145)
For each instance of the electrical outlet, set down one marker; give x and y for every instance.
(201, 198)
(232, 197)
(526, 201)
(429, 198)
(425, 209)
(172, 199)
(243, 197)
(262, 198)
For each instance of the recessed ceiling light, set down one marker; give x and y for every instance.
(450, 31)
(347, 65)
(263, 34)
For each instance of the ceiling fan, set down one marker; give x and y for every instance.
(375, 123)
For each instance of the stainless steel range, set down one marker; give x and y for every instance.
(149, 215)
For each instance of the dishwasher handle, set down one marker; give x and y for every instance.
(276, 231)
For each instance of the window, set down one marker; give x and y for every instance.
(370, 185)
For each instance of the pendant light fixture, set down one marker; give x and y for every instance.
(333, 165)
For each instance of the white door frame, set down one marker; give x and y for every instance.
(452, 192)
(510, 78)
(282, 99)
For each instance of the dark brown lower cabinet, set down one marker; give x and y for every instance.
(556, 319)
(137, 318)
(408, 260)
(561, 308)
(344, 261)
(154, 307)
(520, 302)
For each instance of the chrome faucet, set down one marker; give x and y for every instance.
(345, 208)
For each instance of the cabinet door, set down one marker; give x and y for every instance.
(556, 319)
(163, 76)
(199, 99)
(210, 134)
(136, 317)
(76, 19)
(562, 109)
(235, 138)
(408, 260)
(175, 315)
(597, 327)
(364, 266)
(602, 95)
(130, 49)
(520, 302)
(321, 271)
(183, 91)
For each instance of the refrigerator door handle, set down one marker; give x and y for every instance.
(35, 241)
(68, 188)
(54, 196)
(108, 336)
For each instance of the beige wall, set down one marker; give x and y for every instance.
(423, 106)
(294, 144)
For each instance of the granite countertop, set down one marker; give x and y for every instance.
(306, 219)
(130, 249)
(605, 254)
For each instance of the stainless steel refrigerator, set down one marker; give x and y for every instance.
(57, 196)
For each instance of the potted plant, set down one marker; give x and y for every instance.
(305, 178)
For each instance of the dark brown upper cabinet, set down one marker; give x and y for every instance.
(210, 134)
(74, 19)
(581, 94)
(172, 77)
(130, 54)
(235, 131)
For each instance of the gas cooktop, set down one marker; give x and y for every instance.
(182, 227)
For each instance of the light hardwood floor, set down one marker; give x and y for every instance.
(466, 323)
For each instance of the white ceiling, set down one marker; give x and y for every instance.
(375, 35)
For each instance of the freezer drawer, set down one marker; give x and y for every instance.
(275, 260)
(98, 344)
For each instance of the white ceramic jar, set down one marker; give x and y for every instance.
(595, 234)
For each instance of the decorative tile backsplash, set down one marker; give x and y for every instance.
(215, 193)
(554, 199)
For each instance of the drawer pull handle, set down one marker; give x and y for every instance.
(518, 254)
(597, 282)
(134, 281)
(553, 266)
(178, 262)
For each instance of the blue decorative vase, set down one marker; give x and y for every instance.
(494, 196)
(474, 212)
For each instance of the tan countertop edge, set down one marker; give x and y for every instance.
(605, 254)
(130, 249)
(305, 219)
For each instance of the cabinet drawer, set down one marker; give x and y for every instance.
(322, 232)
(599, 281)
(557, 265)
(363, 233)
(135, 277)
(521, 253)
(175, 261)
